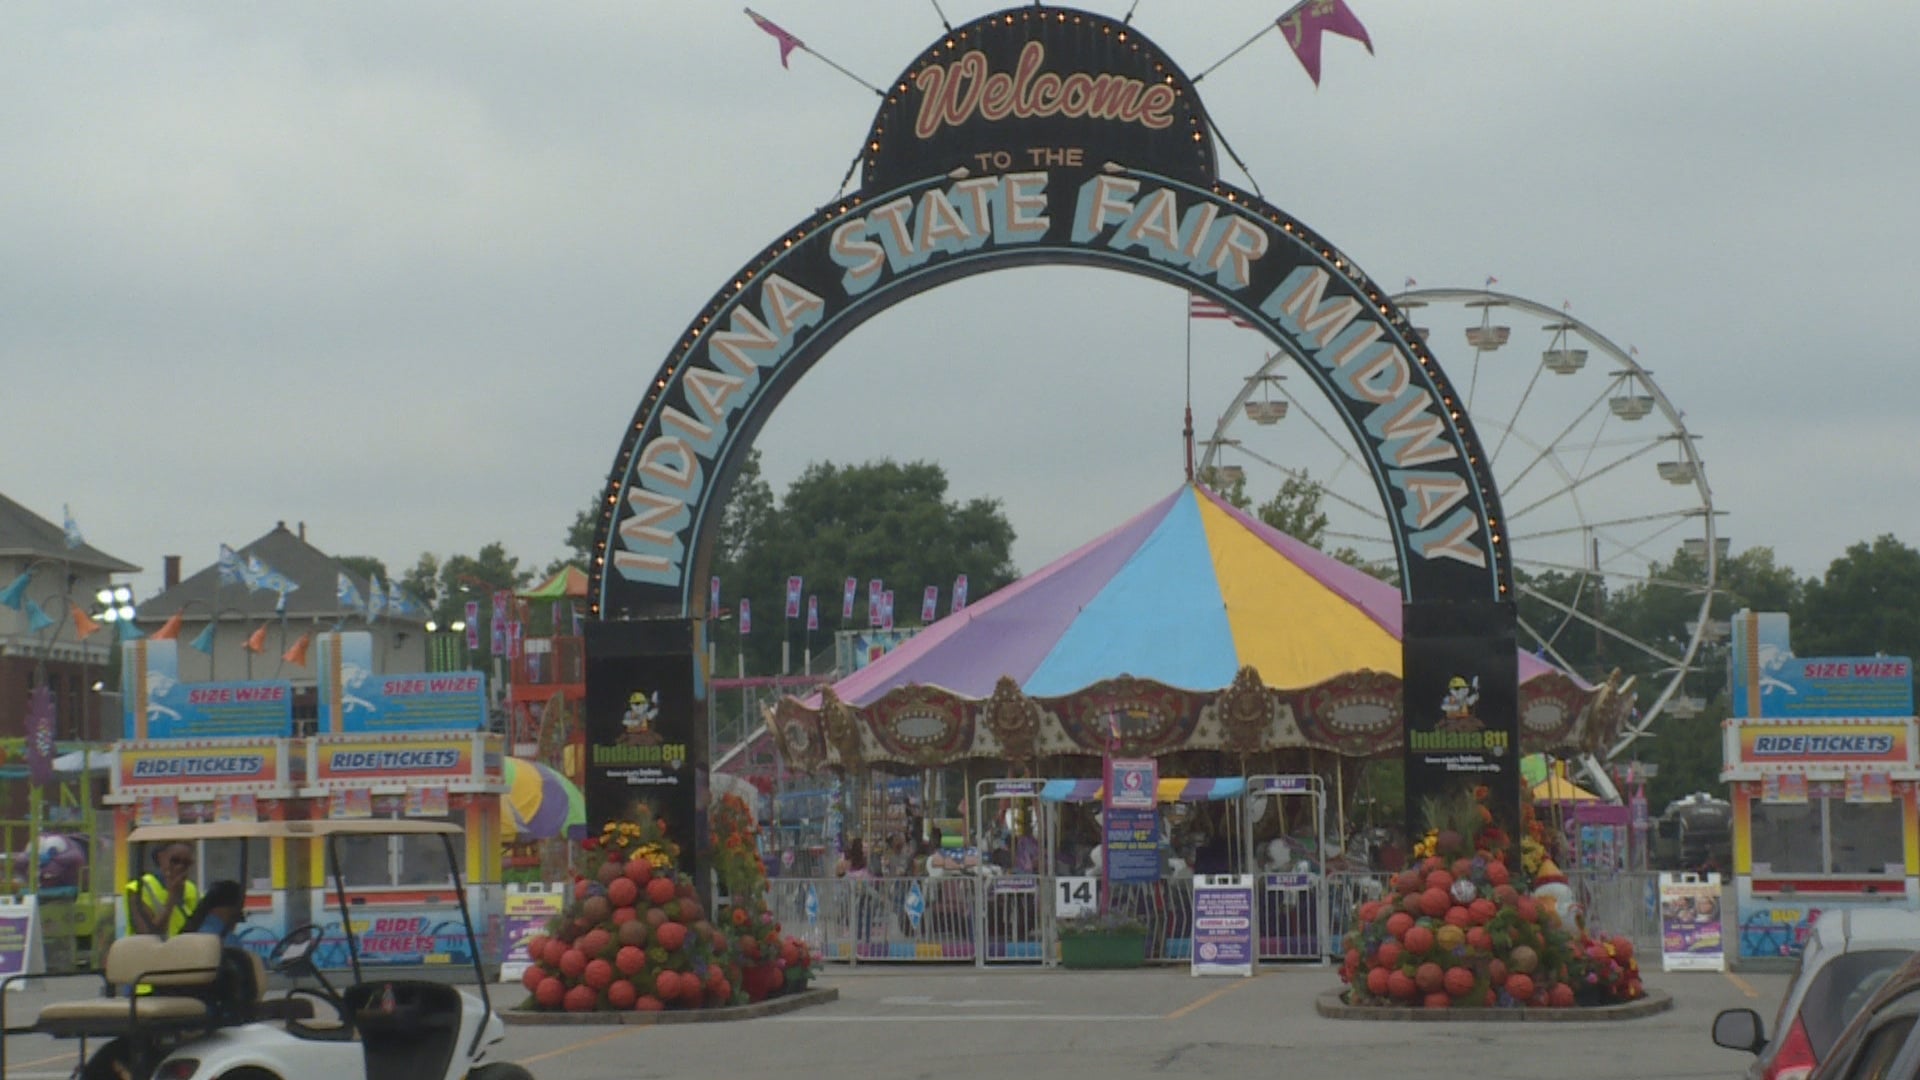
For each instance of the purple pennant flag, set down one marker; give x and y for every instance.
(886, 610)
(846, 600)
(746, 616)
(960, 593)
(473, 624)
(1304, 23)
(873, 602)
(713, 594)
(813, 613)
(40, 732)
(930, 604)
(794, 585)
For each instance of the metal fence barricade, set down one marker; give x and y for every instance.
(1166, 908)
(1620, 902)
(1345, 893)
(1290, 917)
(1017, 914)
(811, 909)
(908, 919)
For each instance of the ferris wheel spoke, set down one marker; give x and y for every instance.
(1627, 577)
(1586, 478)
(1514, 417)
(1547, 644)
(1552, 445)
(1604, 523)
(1600, 627)
(1371, 511)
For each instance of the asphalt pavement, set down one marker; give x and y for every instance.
(965, 1024)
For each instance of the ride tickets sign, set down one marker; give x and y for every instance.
(233, 766)
(364, 762)
(1825, 744)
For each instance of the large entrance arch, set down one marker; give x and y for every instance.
(1054, 136)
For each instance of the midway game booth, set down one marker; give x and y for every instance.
(1255, 674)
(1821, 757)
(385, 746)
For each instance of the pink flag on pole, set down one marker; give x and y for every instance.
(930, 604)
(787, 41)
(794, 585)
(813, 613)
(473, 624)
(873, 602)
(846, 599)
(960, 593)
(1305, 22)
(746, 616)
(886, 610)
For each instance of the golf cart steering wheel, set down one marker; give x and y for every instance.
(299, 942)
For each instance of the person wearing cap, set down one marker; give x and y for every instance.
(161, 903)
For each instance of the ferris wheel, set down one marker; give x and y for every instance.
(1609, 514)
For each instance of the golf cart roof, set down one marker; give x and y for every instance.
(289, 830)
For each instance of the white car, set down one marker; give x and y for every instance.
(1848, 955)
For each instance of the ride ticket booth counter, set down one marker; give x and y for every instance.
(1822, 758)
(191, 781)
(1823, 820)
(407, 913)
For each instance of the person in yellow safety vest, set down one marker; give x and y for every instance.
(161, 903)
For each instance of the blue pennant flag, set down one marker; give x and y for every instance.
(37, 619)
(231, 572)
(70, 527)
(280, 605)
(127, 631)
(203, 641)
(376, 599)
(16, 594)
(348, 593)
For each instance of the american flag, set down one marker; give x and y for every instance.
(1200, 307)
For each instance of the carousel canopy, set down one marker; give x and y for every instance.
(1185, 594)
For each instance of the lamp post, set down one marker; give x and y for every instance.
(447, 651)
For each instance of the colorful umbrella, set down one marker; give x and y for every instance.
(1185, 594)
(540, 804)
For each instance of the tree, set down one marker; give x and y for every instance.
(876, 520)
(366, 566)
(1867, 603)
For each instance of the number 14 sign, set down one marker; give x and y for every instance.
(1075, 896)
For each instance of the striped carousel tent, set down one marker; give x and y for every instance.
(1197, 625)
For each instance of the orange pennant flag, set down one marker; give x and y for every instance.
(168, 632)
(298, 654)
(257, 641)
(83, 623)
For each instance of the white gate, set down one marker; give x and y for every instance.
(1016, 908)
(1290, 896)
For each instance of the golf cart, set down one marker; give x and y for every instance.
(204, 1012)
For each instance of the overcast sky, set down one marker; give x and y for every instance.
(401, 271)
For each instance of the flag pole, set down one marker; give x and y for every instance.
(1243, 47)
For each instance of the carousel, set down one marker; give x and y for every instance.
(1193, 634)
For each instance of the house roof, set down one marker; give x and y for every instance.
(315, 572)
(26, 535)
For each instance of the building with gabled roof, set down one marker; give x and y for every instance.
(218, 616)
(58, 579)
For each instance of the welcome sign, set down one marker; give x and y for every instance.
(1031, 137)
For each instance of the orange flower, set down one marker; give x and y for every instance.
(739, 917)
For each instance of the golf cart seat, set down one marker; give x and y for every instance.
(177, 969)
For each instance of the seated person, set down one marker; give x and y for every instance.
(219, 911)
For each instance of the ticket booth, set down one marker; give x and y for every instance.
(414, 747)
(1821, 759)
(204, 752)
